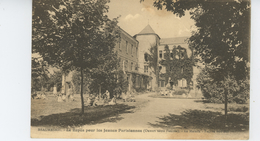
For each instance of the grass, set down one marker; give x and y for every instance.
(68, 114)
(204, 120)
(209, 117)
(232, 107)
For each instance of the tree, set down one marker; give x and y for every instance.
(108, 77)
(76, 80)
(213, 91)
(72, 34)
(152, 59)
(39, 74)
(55, 80)
(222, 36)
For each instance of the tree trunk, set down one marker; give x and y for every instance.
(226, 98)
(81, 91)
(100, 90)
(226, 104)
(63, 83)
(157, 76)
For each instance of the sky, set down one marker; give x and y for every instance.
(134, 16)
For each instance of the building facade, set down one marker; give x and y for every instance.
(132, 50)
(128, 50)
(175, 62)
(174, 59)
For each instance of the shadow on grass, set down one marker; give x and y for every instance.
(92, 115)
(202, 101)
(204, 120)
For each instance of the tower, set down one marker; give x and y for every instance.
(147, 38)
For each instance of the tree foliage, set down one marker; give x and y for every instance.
(72, 34)
(56, 79)
(222, 38)
(213, 91)
(76, 79)
(39, 74)
(108, 76)
(152, 59)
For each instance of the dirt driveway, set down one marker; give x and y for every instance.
(148, 112)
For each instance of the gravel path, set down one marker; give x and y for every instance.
(148, 111)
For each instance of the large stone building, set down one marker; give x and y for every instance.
(177, 47)
(131, 51)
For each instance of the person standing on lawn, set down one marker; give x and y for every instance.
(107, 94)
(59, 98)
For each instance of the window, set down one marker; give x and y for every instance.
(162, 83)
(132, 65)
(172, 55)
(160, 68)
(132, 49)
(126, 44)
(182, 70)
(182, 55)
(137, 81)
(146, 57)
(145, 69)
(125, 65)
(160, 54)
(177, 56)
(119, 61)
(119, 42)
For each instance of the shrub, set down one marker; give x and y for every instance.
(214, 91)
(239, 109)
(140, 89)
(179, 91)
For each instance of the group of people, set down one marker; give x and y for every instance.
(128, 97)
(64, 97)
(167, 93)
(39, 95)
(102, 99)
(170, 93)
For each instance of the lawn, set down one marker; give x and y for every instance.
(232, 107)
(208, 117)
(49, 112)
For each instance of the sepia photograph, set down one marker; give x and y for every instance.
(140, 69)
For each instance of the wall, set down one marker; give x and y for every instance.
(127, 52)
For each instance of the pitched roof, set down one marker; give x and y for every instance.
(147, 30)
(173, 41)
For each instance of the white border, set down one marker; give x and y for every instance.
(15, 70)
